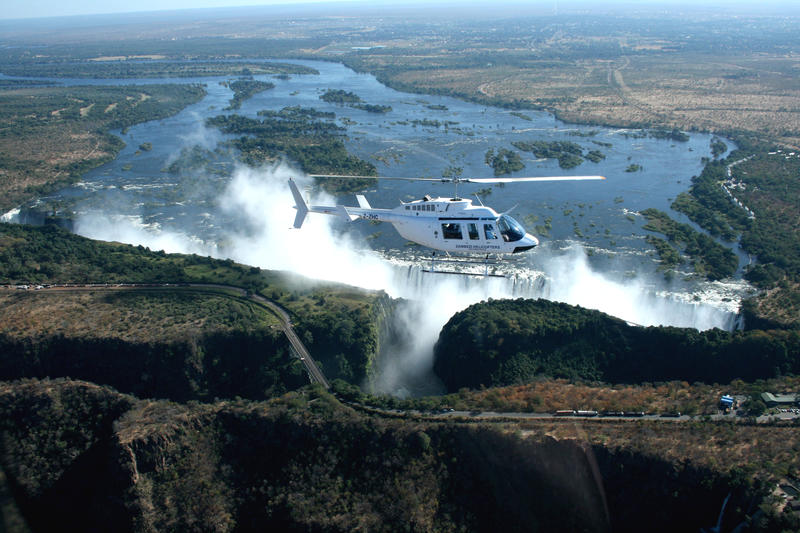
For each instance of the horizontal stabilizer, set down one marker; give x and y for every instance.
(362, 202)
(345, 213)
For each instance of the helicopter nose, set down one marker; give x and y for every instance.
(526, 243)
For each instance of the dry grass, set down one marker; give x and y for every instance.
(754, 94)
(134, 316)
(770, 450)
(556, 394)
(54, 134)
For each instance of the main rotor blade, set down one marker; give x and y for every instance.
(543, 178)
(366, 177)
(465, 180)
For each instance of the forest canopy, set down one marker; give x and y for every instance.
(502, 342)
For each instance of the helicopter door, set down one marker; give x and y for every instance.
(472, 231)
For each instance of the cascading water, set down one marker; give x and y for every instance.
(244, 214)
(258, 205)
(405, 366)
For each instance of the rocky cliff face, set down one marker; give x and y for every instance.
(253, 364)
(504, 342)
(86, 457)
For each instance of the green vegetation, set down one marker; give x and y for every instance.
(673, 135)
(92, 458)
(765, 182)
(718, 147)
(504, 161)
(50, 136)
(244, 89)
(708, 206)
(339, 96)
(293, 132)
(146, 147)
(47, 254)
(567, 153)
(160, 314)
(669, 256)
(595, 156)
(97, 459)
(344, 331)
(297, 114)
(346, 345)
(709, 258)
(634, 167)
(212, 346)
(197, 158)
(548, 395)
(373, 108)
(433, 123)
(504, 342)
(120, 68)
(772, 192)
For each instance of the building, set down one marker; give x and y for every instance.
(776, 400)
(726, 402)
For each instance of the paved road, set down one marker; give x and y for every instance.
(314, 373)
(498, 416)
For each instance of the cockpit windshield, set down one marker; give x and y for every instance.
(510, 229)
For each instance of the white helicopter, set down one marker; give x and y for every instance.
(445, 224)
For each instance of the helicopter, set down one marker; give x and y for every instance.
(450, 225)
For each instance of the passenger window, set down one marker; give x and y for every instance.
(472, 229)
(451, 231)
(488, 229)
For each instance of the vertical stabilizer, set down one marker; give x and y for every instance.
(300, 204)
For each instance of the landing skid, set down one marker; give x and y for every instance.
(485, 262)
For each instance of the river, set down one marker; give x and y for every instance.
(594, 253)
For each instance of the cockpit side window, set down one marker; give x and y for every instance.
(451, 231)
(510, 229)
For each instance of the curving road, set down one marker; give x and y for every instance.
(314, 373)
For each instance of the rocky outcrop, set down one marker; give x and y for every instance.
(84, 457)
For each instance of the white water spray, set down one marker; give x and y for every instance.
(258, 204)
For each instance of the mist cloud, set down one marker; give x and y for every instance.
(257, 207)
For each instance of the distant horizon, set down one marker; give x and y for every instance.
(33, 10)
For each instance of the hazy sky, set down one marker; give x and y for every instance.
(15, 9)
(55, 8)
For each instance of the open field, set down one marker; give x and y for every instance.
(713, 71)
(234, 462)
(689, 93)
(304, 456)
(628, 70)
(51, 136)
(137, 316)
(751, 92)
(550, 395)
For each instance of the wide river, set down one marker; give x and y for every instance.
(594, 253)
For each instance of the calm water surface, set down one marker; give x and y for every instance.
(599, 217)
